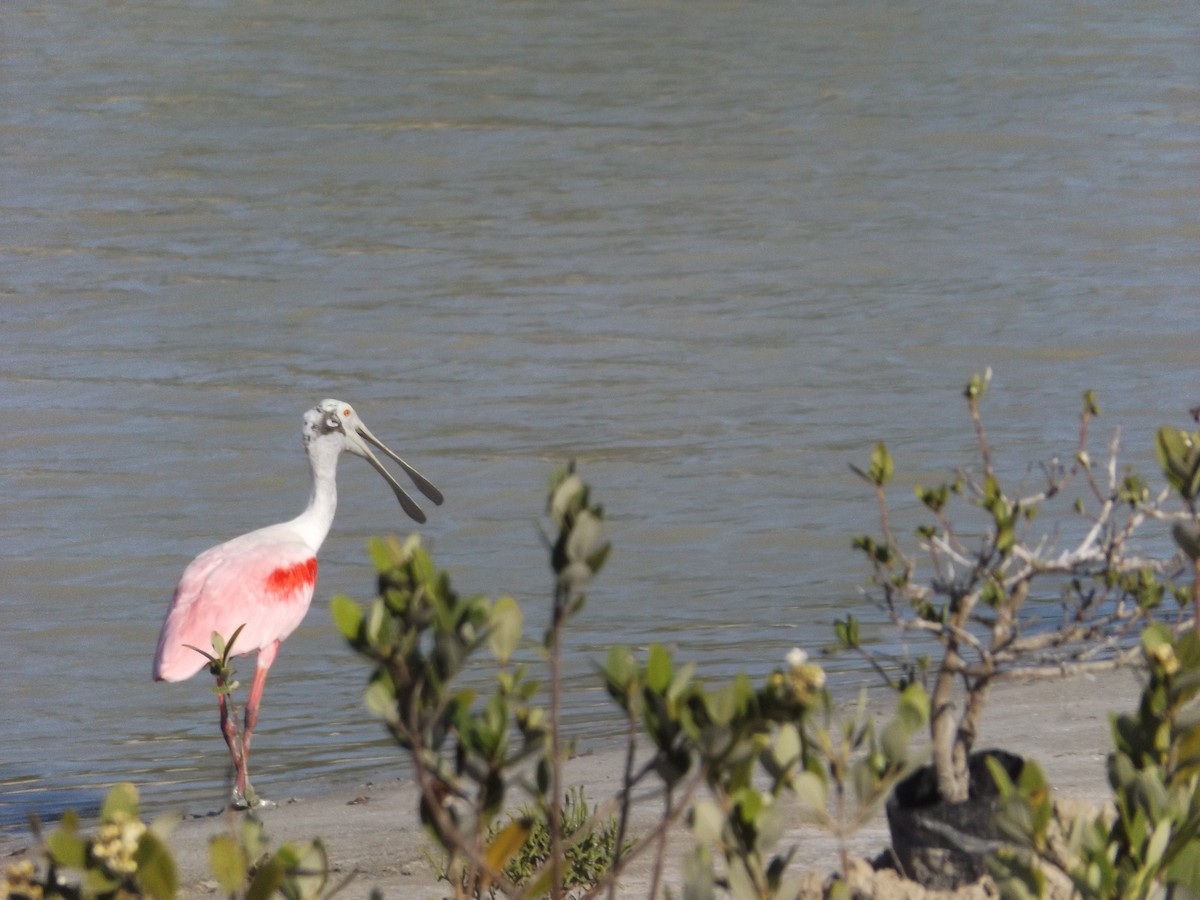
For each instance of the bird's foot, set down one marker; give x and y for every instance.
(248, 799)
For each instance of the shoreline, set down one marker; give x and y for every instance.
(372, 830)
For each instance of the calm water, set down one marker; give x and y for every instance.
(714, 251)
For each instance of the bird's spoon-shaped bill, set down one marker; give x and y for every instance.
(423, 484)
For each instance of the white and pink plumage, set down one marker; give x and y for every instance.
(263, 581)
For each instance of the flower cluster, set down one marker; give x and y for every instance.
(1164, 656)
(116, 844)
(20, 881)
(806, 679)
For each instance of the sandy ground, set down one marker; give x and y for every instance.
(372, 831)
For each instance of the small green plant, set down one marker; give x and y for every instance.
(728, 755)
(1179, 456)
(590, 843)
(1150, 845)
(243, 865)
(1154, 771)
(859, 766)
(719, 739)
(126, 858)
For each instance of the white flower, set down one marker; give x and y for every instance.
(796, 658)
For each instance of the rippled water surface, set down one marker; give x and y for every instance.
(713, 251)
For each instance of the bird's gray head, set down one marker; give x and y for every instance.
(336, 424)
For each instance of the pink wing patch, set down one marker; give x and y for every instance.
(285, 581)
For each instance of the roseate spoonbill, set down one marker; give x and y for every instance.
(263, 581)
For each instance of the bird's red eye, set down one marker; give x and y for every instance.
(346, 413)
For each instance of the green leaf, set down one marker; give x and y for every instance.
(882, 465)
(383, 554)
(992, 494)
(810, 790)
(847, 633)
(699, 881)
(1000, 776)
(204, 653)
(1179, 457)
(727, 701)
(658, 668)
(254, 841)
(1017, 879)
(267, 880)
(504, 628)
(1006, 538)
(1188, 539)
(66, 848)
(98, 883)
(307, 871)
(991, 593)
(587, 536)
(565, 498)
(347, 616)
(380, 698)
(375, 622)
(423, 568)
(913, 707)
(978, 385)
(1155, 635)
(741, 884)
(156, 872)
(228, 651)
(508, 841)
(721, 704)
(1158, 842)
(894, 741)
(620, 668)
(596, 560)
(227, 863)
(707, 821)
(121, 801)
(748, 803)
(787, 744)
(866, 780)
(1184, 867)
(680, 681)
(933, 498)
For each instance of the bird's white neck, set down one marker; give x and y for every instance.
(314, 523)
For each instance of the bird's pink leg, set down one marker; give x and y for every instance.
(266, 656)
(229, 730)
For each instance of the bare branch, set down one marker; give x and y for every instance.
(985, 604)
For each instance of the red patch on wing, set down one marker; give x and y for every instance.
(289, 580)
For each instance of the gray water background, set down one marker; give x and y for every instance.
(714, 251)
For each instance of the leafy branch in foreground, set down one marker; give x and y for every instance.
(721, 758)
(1149, 844)
(983, 589)
(126, 858)
(467, 750)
